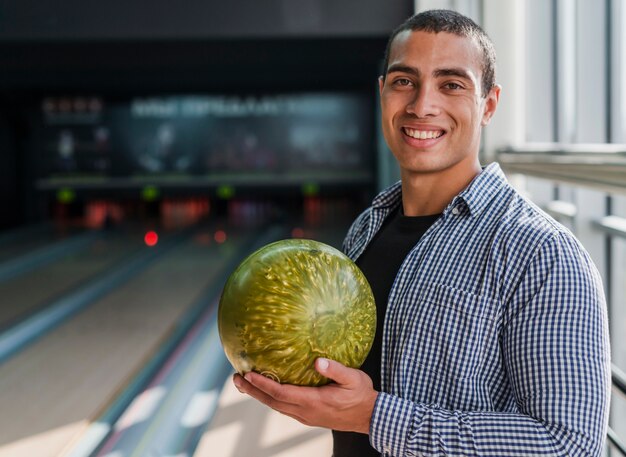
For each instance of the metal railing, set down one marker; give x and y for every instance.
(615, 226)
(619, 382)
(601, 166)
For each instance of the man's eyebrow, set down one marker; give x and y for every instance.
(453, 71)
(458, 72)
(403, 69)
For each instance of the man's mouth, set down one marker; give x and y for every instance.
(422, 134)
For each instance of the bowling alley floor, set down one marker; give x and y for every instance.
(242, 427)
(52, 390)
(55, 386)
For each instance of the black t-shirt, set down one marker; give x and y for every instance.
(380, 263)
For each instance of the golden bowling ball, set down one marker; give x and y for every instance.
(291, 302)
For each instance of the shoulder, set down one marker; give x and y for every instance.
(523, 225)
(520, 233)
(555, 274)
(503, 215)
(530, 245)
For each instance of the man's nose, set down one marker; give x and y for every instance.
(424, 103)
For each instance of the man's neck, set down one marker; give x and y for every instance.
(426, 194)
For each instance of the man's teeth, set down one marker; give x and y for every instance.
(423, 134)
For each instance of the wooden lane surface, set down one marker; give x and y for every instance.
(27, 292)
(52, 389)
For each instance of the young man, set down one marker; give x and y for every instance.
(493, 332)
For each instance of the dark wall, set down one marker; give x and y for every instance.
(35, 68)
(10, 210)
(193, 45)
(166, 19)
(155, 47)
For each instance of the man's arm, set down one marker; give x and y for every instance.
(555, 350)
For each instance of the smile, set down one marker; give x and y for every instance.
(422, 134)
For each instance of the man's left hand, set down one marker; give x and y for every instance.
(346, 404)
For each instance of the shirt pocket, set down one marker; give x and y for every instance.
(451, 332)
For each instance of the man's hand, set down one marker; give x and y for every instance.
(345, 405)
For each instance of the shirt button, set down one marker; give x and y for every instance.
(455, 211)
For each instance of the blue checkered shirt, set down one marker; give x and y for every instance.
(495, 339)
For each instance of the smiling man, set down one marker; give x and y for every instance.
(492, 331)
(433, 109)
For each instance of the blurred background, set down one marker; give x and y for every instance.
(147, 147)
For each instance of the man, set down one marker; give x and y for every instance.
(493, 332)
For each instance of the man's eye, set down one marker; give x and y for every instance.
(402, 82)
(452, 86)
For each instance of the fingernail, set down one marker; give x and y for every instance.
(322, 363)
(248, 377)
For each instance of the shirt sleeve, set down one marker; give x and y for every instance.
(555, 351)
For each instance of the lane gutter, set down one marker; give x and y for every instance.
(45, 255)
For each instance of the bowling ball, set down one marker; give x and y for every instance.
(291, 302)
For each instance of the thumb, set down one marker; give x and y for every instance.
(334, 370)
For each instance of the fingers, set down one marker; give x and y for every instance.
(284, 393)
(266, 390)
(339, 373)
(342, 376)
(269, 393)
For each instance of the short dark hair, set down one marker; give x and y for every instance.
(436, 21)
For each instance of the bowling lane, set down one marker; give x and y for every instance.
(65, 379)
(28, 292)
(21, 241)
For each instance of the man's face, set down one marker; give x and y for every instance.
(432, 105)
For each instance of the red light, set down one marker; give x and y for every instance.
(297, 233)
(220, 236)
(151, 238)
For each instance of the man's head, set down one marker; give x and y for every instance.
(434, 96)
(437, 21)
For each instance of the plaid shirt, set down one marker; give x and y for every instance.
(495, 339)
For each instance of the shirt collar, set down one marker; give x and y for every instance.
(476, 196)
(483, 189)
(389, 197)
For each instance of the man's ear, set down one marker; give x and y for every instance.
(381, 84)
(491, 103)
